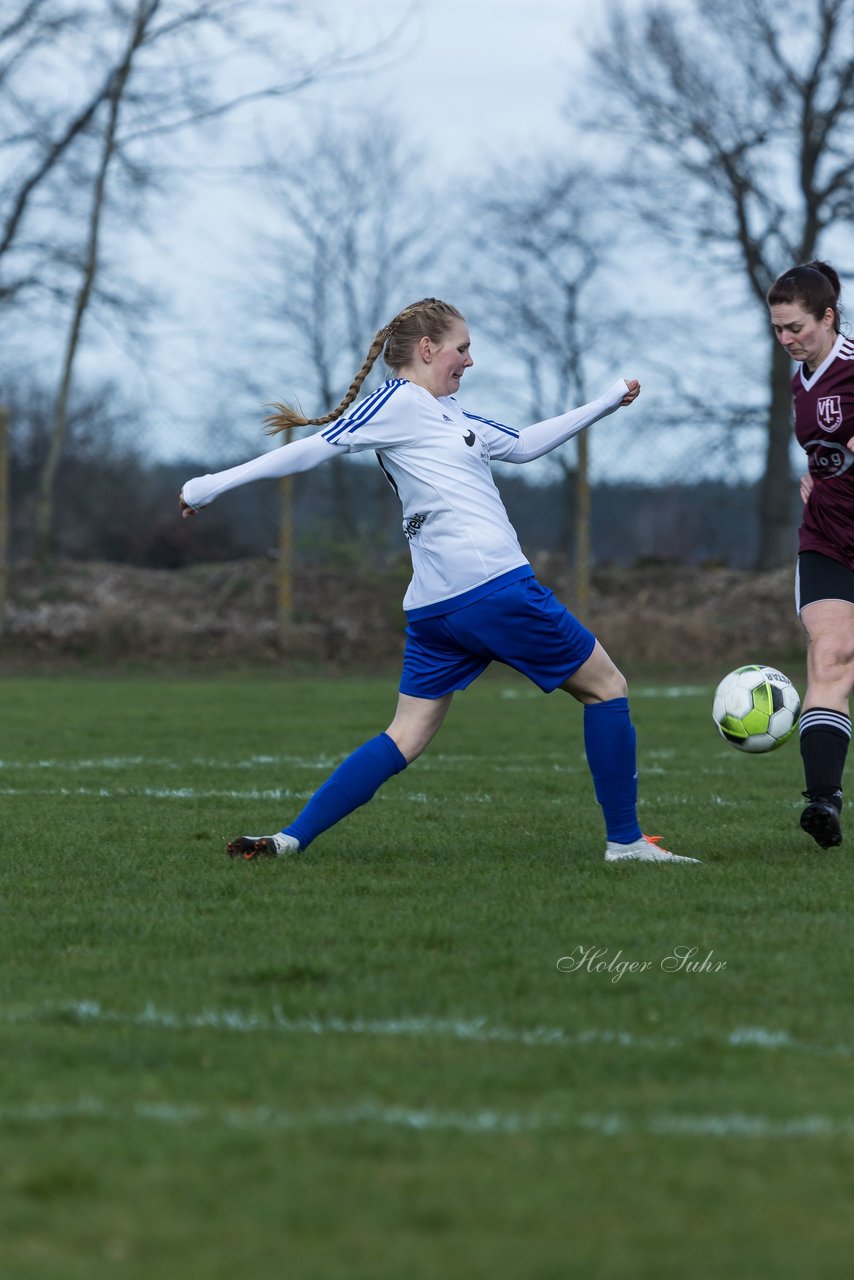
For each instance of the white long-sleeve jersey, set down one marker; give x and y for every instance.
(436, 456)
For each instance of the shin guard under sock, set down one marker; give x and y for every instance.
(609, 740)
(824, 739)
(351, 785)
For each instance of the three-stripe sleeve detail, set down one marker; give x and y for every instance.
(487, 422)
(365, 411)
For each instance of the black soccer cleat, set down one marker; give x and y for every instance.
(820, 819)
(248, 847)
(274, 846)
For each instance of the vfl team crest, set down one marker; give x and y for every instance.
(829, 412)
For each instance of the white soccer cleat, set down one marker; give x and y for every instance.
(644, 850)
(276, 846)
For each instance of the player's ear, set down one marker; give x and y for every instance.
(425, 348)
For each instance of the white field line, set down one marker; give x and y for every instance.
(189, 793)
(477, 1030)
(265, 1118)
(648, 691)
(159, 793)
(556, 764)
(162, 762)
(108, 763)
(430, 1119)
(734, 1125)
(287, 794)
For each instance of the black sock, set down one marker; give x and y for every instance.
(824, 737)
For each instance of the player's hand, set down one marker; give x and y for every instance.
(185, 510)
(807, 486)
(633, 391)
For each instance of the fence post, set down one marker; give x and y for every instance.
(4, 515)
(285, 558)
(582, 529)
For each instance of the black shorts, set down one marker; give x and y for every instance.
(817, 577)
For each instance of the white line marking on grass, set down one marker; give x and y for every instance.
(264, 1118)
(159, 793)
(88, 1012)
(645, 691)
(760, 1037)
(476, 1030)
(430, 1119)
(671, 691)
(191, 793)
(160, 762)
(736, 1125)
(553, 761)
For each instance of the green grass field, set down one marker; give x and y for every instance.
(368, 1064)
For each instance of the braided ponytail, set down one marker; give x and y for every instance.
(429, 318)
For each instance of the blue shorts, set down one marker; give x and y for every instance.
(521, 625)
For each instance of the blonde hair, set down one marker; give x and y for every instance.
(430, 318)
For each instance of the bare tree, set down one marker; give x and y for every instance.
(158, 67)
(738, 120)
(33, 140)
(355, 234)
(44, 506)
(4, 514)
(538, 262)
(355, 231)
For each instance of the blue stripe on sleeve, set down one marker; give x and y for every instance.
(364, 412)
(499, 426)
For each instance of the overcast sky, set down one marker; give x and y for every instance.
(470, 81)
(474, 77)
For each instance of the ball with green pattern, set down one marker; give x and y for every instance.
(756, 708)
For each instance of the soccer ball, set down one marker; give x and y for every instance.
(756, 708)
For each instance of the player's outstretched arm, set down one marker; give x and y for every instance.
(299, 455)
(542, 437)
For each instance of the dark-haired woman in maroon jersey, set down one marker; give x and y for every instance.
(804, 306)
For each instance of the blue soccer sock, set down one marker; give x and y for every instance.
(609, 740)
(352, 784)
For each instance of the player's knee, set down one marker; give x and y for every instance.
(411, 740)
(603, 686)
(411, 749)
(614, 685)
(831, 659)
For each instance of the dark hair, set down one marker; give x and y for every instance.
(430, 318)
(814, 285)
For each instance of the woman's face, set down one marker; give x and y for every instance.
(450, 359)
(804, 337)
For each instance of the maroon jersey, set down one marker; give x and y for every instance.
(824, 423)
